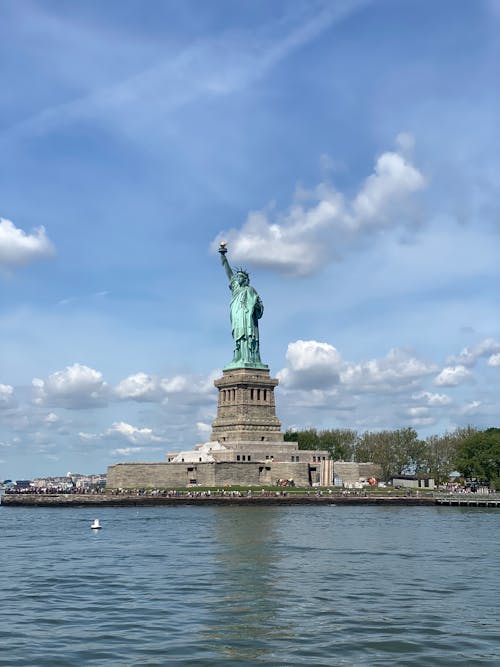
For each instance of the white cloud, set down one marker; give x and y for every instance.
(306, 237)
(398, 369)
(385, 191)
(431, 399)
(18, 248)
(494, 360)
(316, 378)
(471, 408)
(310, 363)
(142, 387)
(127, 451)
(451, 376)
(421, 411)
(87, 436)
(204, 429)
(51, 418)
(7, 399)
(421, 422)
(75, 387)
(469, 355)
(174, 385)
(139, 387)
(133, 434)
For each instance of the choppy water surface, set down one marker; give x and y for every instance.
(248, 586)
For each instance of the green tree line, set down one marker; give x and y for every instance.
(472, 452)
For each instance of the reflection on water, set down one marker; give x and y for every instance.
(245, 621)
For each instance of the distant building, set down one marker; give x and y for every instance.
(71, 481)
(414, 481)
(23, 483)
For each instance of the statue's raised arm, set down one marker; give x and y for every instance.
(245, 310)
(225, 263)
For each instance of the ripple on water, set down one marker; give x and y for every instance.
(245, 586)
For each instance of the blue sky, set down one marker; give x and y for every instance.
(348, 153)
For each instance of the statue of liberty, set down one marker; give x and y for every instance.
(245, 311)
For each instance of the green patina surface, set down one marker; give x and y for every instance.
(245, 311)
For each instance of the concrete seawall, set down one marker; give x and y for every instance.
(76, 500)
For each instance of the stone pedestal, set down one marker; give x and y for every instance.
(246, 411)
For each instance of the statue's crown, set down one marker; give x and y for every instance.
(239, 269)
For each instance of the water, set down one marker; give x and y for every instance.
(249, 586)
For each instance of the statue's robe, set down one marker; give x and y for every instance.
(246, 309)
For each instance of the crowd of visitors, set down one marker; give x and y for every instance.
(51, 490)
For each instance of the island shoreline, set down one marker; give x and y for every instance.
(88, 500)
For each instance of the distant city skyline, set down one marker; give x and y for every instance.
(348, 154)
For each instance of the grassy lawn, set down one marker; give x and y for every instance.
(289, 490)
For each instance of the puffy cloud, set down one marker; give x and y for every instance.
(127, 451)
(494, 360)
(311, 364)
(139, 387)
(421, 411)
(18, 248)
(469, 355)
(51, 418)
(175, 385)
(133, 434)
(204, 429)
(398, 369)
(419, 416)
(421, 422)
(451, 376)
(319, 367)
(75, 387)
(432, 400)
(87, 436)
(301, 240)
(154, 389)
(355, 394)
(7, 399)
(471, 408)
(386, 191)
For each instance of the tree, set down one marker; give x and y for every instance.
(339, 442)
(307, 439)
(441, 452)
(478, 456)
(397, 452)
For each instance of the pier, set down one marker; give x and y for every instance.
(469, 500)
